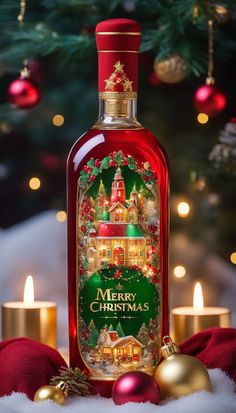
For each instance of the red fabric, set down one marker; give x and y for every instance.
(215, 347)
(26, 365)
(121, 48)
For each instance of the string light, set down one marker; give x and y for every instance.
(21, 15)
(183, 209)
(233, 257)
(58, 120)
(34, 183)
(61, 216)
(202, 118)
(179, 271)
(210, 79)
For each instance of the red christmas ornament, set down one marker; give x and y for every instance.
(24, 93)
(154, 79)
(135, 386)
(51, 161)
(35, 68)
(209, 100)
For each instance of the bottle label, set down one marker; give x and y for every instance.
(118, 276)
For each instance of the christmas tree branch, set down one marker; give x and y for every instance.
(67, 27)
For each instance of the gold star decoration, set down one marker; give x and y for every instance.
(118, 77)
(119, 67)
(127, 85)
(109, 84)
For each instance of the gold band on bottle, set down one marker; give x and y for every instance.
(122, 33)
(118, 95)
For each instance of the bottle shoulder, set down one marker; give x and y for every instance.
(97, 143)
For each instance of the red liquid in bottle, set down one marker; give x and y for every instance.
(117, 238)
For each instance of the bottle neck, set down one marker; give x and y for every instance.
(117, 114)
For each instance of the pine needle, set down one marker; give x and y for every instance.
(76, 380)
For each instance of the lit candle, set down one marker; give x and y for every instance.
(29, 318)
(190, 320)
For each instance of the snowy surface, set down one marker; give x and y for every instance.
(221, 400)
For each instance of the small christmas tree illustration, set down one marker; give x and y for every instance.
(118, 80)
(93, 335)
(143, 335)
(110, 328)
(120, 330)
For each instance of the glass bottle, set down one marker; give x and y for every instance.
(118, 187)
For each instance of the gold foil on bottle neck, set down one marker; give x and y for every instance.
(117, 107)
(117, 95)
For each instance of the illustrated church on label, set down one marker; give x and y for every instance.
(118, 238)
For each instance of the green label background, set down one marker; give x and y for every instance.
(107, 176)
(146, 292)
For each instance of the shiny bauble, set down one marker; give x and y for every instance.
(208, 99)
(179, 374)
(171, 69)
(135, 386)
(222, 14)
(24, 93)
(49, 392)
(153, 79)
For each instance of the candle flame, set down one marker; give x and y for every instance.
(198, 302)
(29, 291)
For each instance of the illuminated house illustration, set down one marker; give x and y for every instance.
(118, 238)
(114, 348)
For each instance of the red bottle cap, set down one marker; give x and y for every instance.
(118, 42)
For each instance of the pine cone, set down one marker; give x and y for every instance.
(76, 380)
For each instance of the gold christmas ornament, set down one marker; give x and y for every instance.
(170, 70)
(55, 393)
(222, 14)
(180, 374)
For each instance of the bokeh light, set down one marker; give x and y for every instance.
(58, 120)
(61, 216)
(183, 209)
(34, 183)
(202, 118)
(179, 271)
(233, 257)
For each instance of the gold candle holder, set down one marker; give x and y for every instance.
(187, 321)
(29, 318)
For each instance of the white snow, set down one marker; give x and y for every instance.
(221, 400)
